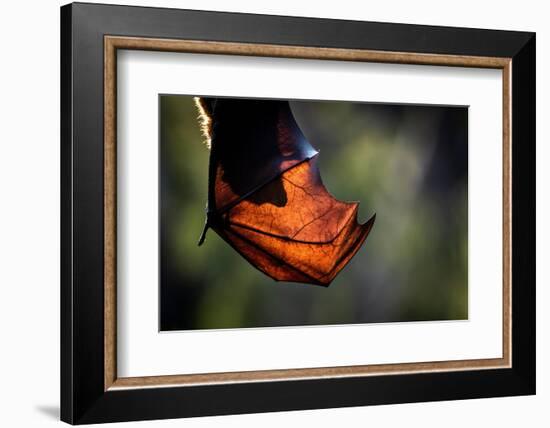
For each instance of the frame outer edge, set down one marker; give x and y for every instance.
(87, 157)
(524, 215)
(66, 199)
(305, 31)
(83, 397)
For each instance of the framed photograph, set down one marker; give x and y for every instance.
(266, 213)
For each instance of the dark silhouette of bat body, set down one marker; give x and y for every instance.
(266, 198)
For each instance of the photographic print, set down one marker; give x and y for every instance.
(292, 213)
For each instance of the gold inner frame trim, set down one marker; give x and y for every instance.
(113, 43)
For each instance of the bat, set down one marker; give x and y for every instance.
(266, 198)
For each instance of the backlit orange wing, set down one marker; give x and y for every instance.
(281, 218)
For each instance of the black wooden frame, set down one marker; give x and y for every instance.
(83, 399)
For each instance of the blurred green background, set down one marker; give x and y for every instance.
(407, 163)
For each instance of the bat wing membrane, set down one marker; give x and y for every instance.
(308, 239)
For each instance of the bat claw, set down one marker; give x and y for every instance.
(203, 234)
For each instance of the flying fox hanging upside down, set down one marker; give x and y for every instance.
(265, 194)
